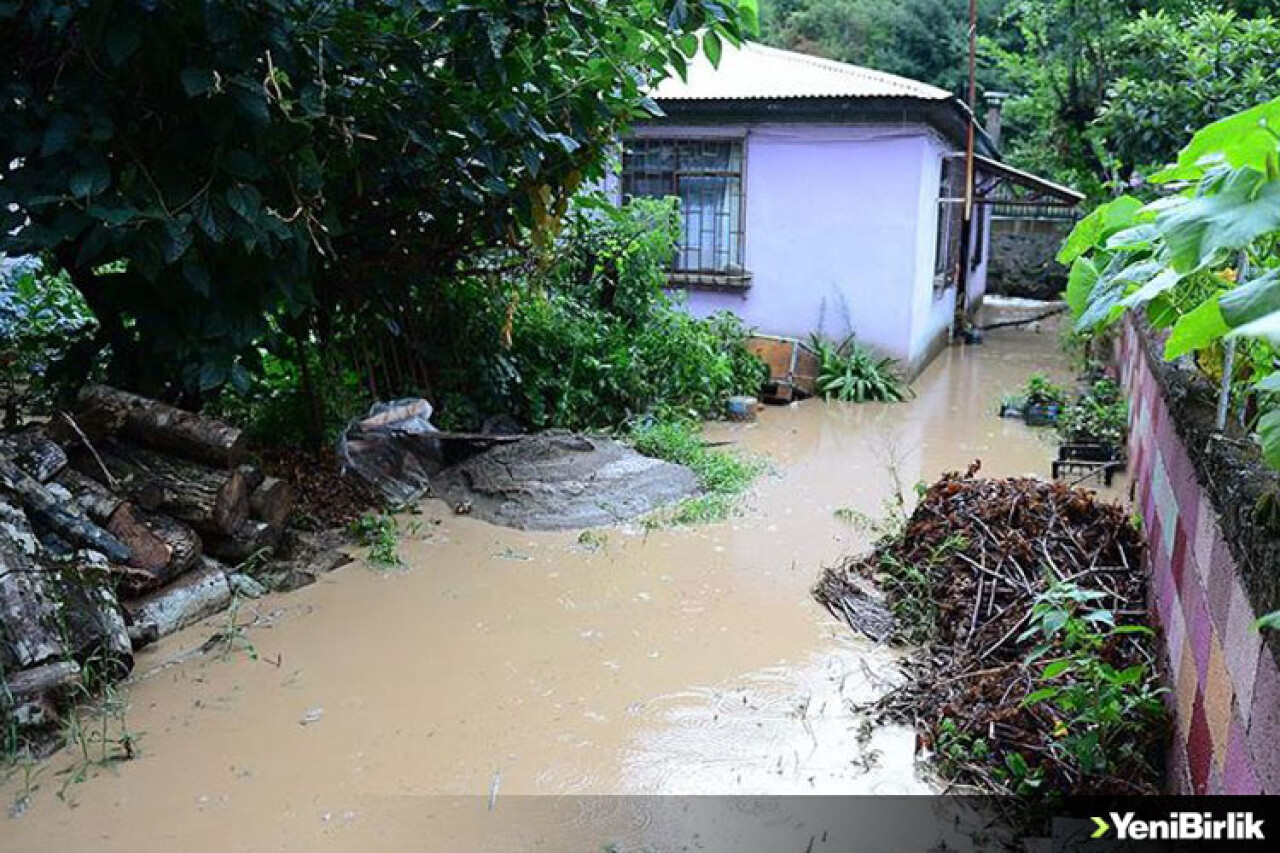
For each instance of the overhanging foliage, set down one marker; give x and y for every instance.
(207, 170)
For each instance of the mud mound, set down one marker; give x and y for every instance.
(557, 481)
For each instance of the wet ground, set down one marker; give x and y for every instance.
(504, 663)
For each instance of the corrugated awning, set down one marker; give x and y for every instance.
(1034, 184)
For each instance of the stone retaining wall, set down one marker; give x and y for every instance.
(1225, 684)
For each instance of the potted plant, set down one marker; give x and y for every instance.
(1095, 427)
(1043, 399)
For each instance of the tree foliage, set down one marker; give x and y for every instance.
(208, 170)
(921, 39)
(1211, 64)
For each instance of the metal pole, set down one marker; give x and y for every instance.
(1229, 352)
(966, 229)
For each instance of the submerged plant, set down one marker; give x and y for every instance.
(379, 533)
(850, 372)
(1040, 390)
(1099, 417)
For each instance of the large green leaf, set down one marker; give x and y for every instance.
(1106, 299)
(1244, 139)
(1166, 279)
(1253, 301)
(1232, 211)
(1095, 228)
(1080, 283)
(1269, 437)
(1196, 330)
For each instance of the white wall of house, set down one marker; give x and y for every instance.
(840, 231)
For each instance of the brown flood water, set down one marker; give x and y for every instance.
(503, 663)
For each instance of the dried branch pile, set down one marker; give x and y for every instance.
(963, 579)
(120, 524)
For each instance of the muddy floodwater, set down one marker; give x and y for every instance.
(502, 663)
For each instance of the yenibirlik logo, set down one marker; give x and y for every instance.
(1182, 826)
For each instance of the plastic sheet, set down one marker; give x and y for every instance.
(391, 449)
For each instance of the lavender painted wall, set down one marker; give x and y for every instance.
(840, 235)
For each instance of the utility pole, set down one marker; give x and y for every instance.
(966, 229)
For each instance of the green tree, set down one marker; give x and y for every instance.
(925, 40)
(207, 170)
(1212, 64)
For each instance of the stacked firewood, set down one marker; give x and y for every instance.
(120, 522)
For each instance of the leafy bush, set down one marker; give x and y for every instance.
(41, 318)
(1201, 262)
(274, 405)
(1105, 717)
(594, 339)
(1098, 417)
(852, 373)
(203, 168)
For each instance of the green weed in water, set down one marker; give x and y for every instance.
(722, 474)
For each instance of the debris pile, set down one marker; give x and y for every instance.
(119, 524)
(1018, 592)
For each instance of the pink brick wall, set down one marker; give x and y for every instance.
(1225, 684)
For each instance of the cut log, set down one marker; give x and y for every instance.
(183, 545)
(251, 537)
(35, 454)
(45, 510)
(29, 632)
(162, 547)
(109, 411)
(56, 677)
(118, 475)
(272, 501)
(199, 593)
(94, 499)
(209, 499)
(94, 624)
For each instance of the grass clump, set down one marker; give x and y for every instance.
(379, 533)
(722, 474)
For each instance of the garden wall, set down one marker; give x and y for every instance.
(1212, 574)
(1022, 256)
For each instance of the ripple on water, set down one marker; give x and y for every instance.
(784, 729)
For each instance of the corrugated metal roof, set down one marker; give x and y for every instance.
(757, 72)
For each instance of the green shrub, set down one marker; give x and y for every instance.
(852, 373)
(1099, 417)
(275, 408)
(593, 339)
(42, 317)
(1039, 390)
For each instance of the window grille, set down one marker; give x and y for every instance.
(706, 175)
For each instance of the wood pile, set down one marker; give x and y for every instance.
(968, 581)
(120, 523)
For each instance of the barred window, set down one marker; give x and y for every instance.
(946, 264)
(706, 175)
